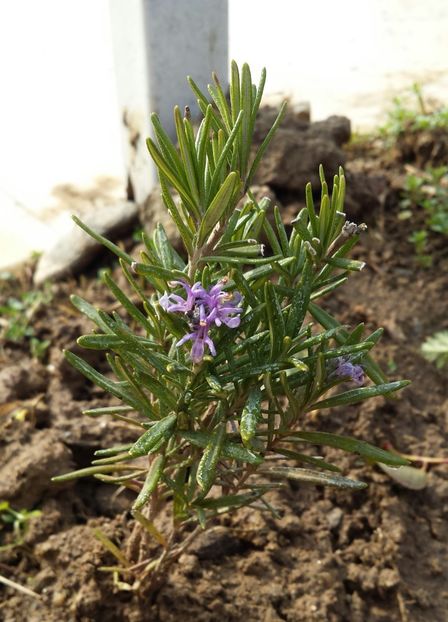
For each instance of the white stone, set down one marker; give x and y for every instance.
(74, 250)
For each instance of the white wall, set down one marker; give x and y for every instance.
(59, 119)
(58, 111)
(344, 56)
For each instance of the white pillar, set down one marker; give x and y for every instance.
(157, 43)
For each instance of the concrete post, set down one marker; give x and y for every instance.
(157, 43)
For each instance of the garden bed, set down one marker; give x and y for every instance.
(378, 555)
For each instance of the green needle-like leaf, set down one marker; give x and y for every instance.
(205, 475)
(352, 445)
(306, 476)
(358, 395)
(151, 481)
(220, 204)
(152, 437)
(250, 416)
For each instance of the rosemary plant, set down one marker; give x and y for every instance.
(226, 350)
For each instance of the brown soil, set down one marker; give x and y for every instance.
(380, 555)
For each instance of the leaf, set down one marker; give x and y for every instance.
(307, 476)
(111, 451)
(92, 470)
(188, 156)
(266, 271)
(205, 475)
(318, 462)
(327, 321)
(358, 395)
(167, 148)
(311, 211)
(265, 144)
(115, 388)
(237, 261)
(435, 348)
(104, 241)
(408, 476)
(300, 224)
(282, 237)
(204, 104)
(220, 100)
(157, 272)
(176, 214)
(150, 527)
(111, 547)
(235, 101)
(151, 481)
(275, 319)
(152, 437)
(246, 108)
(300, 301)
(250, 416)
(345, 264)
(130, 307)
(219, 205)
(352, 445)
(240, 248)
(171, 175)
(229, 449)
(163, 247)
(228, 501)
(87, 309)
(219, 166)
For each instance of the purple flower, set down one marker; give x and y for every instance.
(222, 305)
(348, 371)
(200, 339)
(176, 304)
(203, 308)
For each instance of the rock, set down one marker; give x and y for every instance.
(216, 543)
(334, 518)
(293, 160)
(291, 120)
(298, 148)
(335, 128)
(27, 466)
(74, 250)
(366, 193)
(388, 578)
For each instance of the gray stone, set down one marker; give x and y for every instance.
(298, 148)
(335, 517)
(335, 128)
(366, 192)
(293, 160)
(75, 250)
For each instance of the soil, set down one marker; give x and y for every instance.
(379, 555)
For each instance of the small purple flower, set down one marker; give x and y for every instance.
(222, 305)
(200, 339)
(347, 370)
(203, 308)
(176, 304)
